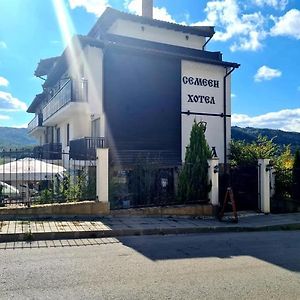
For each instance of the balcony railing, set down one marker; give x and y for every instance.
(85, 148)
(37, 121)
(71, 91)
(48, 151)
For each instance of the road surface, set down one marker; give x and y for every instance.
(264, 265)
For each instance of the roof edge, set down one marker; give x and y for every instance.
(110, 15)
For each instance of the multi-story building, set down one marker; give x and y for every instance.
(136, 85)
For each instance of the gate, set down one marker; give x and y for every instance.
(244, 181)
(29, 177)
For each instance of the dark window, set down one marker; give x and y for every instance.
(49, 138)
(96, 128)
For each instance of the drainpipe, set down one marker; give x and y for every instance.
(203, 47)
(225, 114)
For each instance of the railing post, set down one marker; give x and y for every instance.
(213, 178)
(264, 185)
(102, 175)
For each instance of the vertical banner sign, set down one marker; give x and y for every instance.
(202, 99)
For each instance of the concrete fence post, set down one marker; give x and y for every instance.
(102, 175)
(213, 178)
(264, 169)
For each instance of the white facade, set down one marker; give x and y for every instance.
(202, 92)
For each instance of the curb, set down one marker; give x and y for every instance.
(32, 236)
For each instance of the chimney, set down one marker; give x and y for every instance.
(147, 8)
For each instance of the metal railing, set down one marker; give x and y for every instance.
(48, 151)
(27, 179)
(37, 121)
(71, 91)
(85, 148)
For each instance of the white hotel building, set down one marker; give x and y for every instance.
(135, 85)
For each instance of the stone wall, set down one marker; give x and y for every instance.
(77, 208)
(178, 210)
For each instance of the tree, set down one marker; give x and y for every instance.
(193, 179)
(243, 153)
(283, 164)
(296, 176)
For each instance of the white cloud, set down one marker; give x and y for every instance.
(287, 119)
(10, 103)
(277, 4)
(134, 6)
(230, 22)
(266, 73)
(287, 25)
(4, 117)
(95, 7)
(159, 13)
(233, 95)
(3, 45)
(3, 81)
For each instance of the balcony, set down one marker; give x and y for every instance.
(85, 148)
(51, 151)
(70, 99)
(35, 124)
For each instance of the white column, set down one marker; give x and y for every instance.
(102, 175)
(213, 178)
(264, 185)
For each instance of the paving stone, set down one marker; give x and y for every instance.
(64, 243)
(42, 244)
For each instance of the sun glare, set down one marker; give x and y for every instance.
(74, 50)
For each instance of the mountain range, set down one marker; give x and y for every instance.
(11, 138)
(281, 138)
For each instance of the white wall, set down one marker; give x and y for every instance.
(212, 89)
(80, 126)
(156, 34)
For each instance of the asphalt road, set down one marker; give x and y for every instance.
(263, 265)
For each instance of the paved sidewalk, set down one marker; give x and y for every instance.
(126, 226)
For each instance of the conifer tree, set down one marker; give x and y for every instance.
(296, 176)
(193, 179)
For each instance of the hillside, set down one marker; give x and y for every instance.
(281, 138)
(17, 137)
(11, 138)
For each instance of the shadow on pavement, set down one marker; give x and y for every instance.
(278, 248)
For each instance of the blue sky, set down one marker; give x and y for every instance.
(262, 35)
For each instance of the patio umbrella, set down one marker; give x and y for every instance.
(29, 169)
